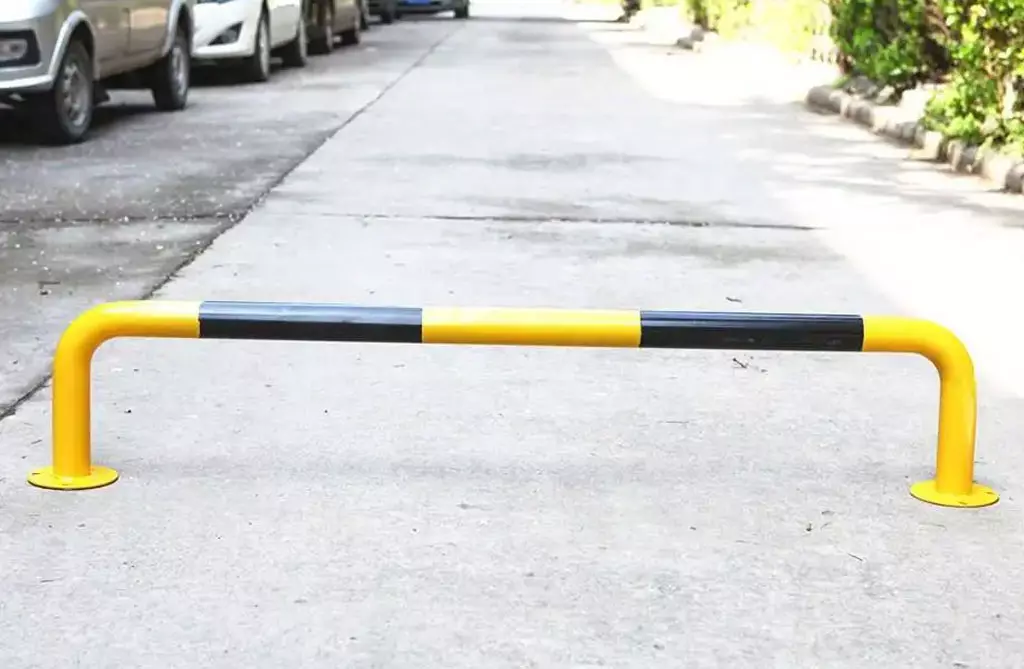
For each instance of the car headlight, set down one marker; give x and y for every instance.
(13, 49)
(18, 48)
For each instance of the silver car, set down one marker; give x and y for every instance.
(58, 58)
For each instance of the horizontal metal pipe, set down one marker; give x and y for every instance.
(531, 327)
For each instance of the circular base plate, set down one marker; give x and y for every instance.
(97, 478)
(978, 496)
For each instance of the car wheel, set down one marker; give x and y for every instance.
(63, 114)
(256, 67)
(324, 43)
(364, 16)
(296, 52)
(171, 75)
(351, 36)
(388, 13)
(462, 12)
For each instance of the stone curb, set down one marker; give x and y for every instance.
(1006, 171)
(689, 36)
(693, 38)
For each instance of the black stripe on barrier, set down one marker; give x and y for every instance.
(309, 322)
(772, 332)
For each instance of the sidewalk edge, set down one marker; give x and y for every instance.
(1005, 171)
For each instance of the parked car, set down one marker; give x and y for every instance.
(326, 20)
(386, 10)
(58, 58)
(246, 33)
(460, 8)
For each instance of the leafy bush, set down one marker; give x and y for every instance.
(698, 11)
(789, 24)
(898, 43)
(981, 102)
(975, 48)
(792, 25)
(728, 17)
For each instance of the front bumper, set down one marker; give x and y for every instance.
(36, 71)
(215, 20)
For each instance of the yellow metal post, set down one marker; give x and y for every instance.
(72, 467)
(953, 484)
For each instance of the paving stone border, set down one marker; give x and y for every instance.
(1004, 170)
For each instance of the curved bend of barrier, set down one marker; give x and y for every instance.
(72, 466)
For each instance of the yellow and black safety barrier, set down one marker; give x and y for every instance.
(72, 467)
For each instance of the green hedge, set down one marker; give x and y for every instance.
(975, 49)
(981, 102)
(898, 43)
(789, 24)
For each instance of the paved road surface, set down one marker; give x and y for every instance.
(113, 217)
(404, 506)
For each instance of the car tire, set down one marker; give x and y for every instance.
(351, 36)
(462, 12)
(324, 42)
(364, 16)
(296, 52)
(256, 68)
(171, 75)
(63, 114)
(388, 13)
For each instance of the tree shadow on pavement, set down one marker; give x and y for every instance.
(217, 76)
(752, 115)
(788, 147)
(16, 126)
(516, 19)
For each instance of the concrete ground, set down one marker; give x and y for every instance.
(410, 506)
